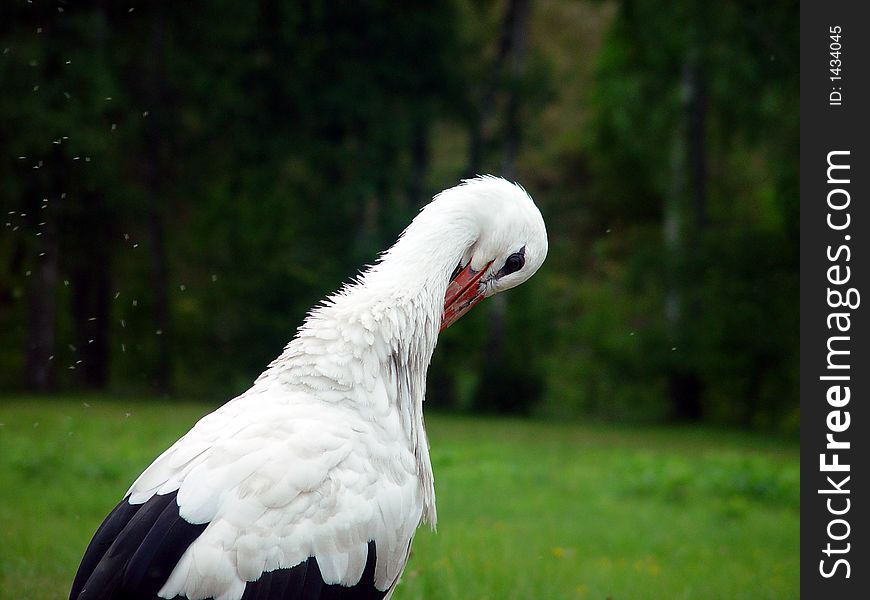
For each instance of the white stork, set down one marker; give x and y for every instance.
(312, 483)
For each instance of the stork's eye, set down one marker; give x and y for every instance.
(513, 263)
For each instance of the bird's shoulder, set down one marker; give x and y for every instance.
(277, 480)
(276, 437)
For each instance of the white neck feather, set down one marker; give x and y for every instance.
(385, 325)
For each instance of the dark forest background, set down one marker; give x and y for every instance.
(180, 182)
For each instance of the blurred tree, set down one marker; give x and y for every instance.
(197, 175)
(676, 77)
(157, 155)
(55, 89)
(504, 385)
(42, 289)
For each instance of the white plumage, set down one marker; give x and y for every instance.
(326, 455)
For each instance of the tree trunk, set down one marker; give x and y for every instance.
(42, 300)
(689, 170)
(160, 290)
(516, 33)
(510, 61)
(90, 279)
(507, 65)
(156, 174)
(697, 142)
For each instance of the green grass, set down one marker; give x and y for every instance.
(526, 509)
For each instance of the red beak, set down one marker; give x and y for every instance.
(462, 293)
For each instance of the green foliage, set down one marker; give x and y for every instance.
(526, 508)
(733, 267)
(274, 145)
(269, 149)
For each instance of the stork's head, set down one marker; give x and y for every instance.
(509, 247)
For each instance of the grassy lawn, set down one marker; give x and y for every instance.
(526, 509)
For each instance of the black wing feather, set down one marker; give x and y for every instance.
(313, 582)
(140, 556)
(105, 579)
(157, 555)
(136, 548)
(102, 540)
(305, 582)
